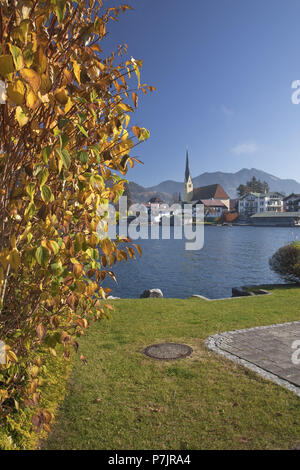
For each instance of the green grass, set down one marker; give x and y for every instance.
(124, 400)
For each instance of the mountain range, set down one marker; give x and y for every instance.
(229, 181)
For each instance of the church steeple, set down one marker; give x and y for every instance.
(187, 167)
(188, 184)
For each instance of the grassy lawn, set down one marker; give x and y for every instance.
(124, 400)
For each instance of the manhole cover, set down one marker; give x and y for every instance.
(168, 351)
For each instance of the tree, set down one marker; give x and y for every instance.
(286, 262)
(65, 144)
(175, 198)
(241, 190)
(254, 185)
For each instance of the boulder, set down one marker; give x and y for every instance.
(151, 293)
(239, 292)
(111, 297)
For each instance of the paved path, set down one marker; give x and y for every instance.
(267, 350)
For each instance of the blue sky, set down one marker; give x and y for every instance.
(223, 70)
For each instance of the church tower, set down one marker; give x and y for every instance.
(188, 184)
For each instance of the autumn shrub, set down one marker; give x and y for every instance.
(17, 432)
(286, 262)
(66, 138)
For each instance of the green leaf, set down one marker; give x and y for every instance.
(82, 129)
(17, 56)
(65, 158)
(45, 154)
(28, 55)
(83, 156)
(30, 210)
(64, 139)
(46, 193)
(56, 268)
(62, 123)
(43, 176)
(42, 256)
(60, 9)
(54, 246)
(30, 189)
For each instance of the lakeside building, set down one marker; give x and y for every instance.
(213, 209)
(292, 203)
(276, 219)
(215, 200)
(253, 203)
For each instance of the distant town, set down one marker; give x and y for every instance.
(255, 203)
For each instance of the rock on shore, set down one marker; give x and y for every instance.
(151, 293)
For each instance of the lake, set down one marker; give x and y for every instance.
(231, 257)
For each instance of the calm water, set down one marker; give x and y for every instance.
(231, 257)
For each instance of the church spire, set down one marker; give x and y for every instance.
(187, 167)
(188, 183)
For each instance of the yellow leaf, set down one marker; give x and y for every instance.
(68, 77)
(32, 78)
(77, 270)
(34, 371)
(31, 100)
(10, 355)
(135, 64)
(125, 107)
(135, 99)
(14, 259)
(125, 135)
(61, 96)
(41, 331)
(138, 249)
(3, 395)
(13, 242)
(16, 92)
(136, 130)
(127, 119)
(53, 352)
(6, 65)
(21, 116)
(68, 105)
(76, 69)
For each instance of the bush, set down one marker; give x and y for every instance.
(65, 148)
(17, 432)
(286, 262)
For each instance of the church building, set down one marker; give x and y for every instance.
(213, 196)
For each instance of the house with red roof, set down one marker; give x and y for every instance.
(213, 197)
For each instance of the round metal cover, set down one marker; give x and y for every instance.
(165, 351)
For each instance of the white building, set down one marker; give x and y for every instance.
(292, 203)
(255, 203)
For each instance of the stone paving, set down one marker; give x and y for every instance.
(267, 350)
